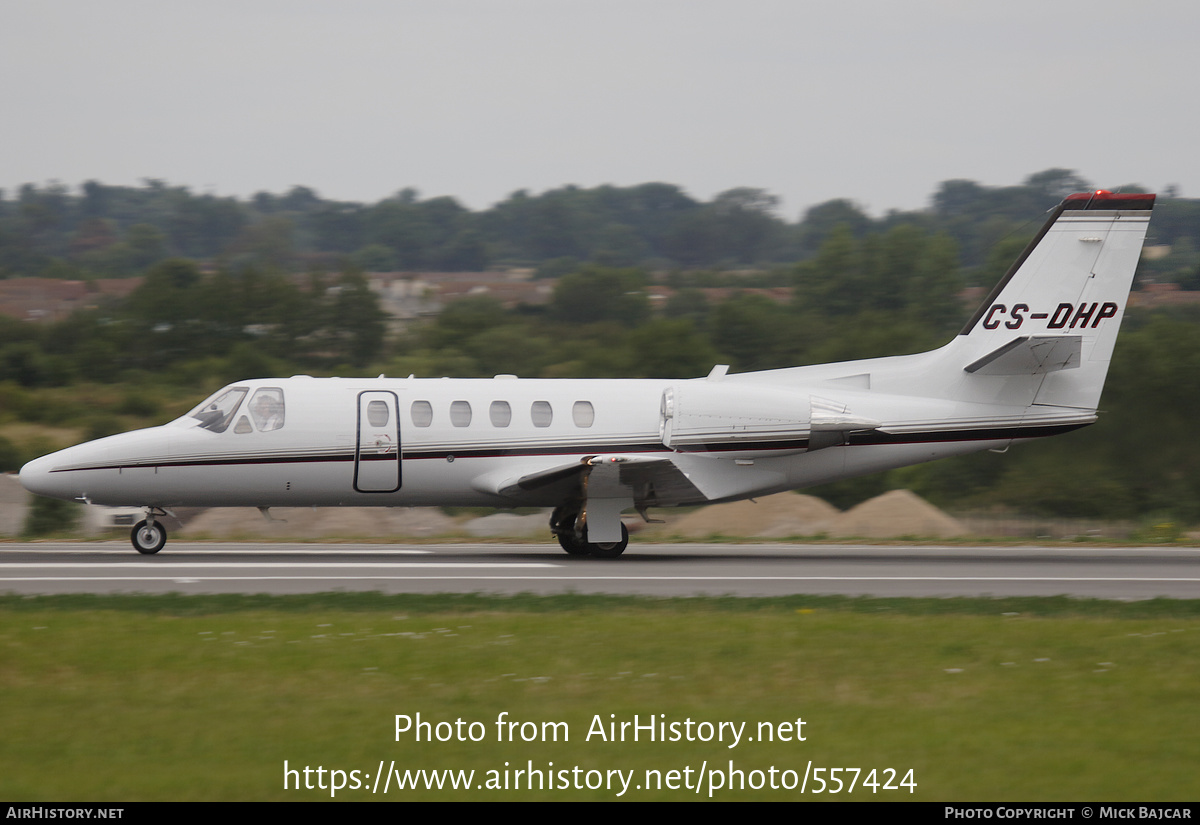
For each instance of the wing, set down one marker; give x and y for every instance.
(649, 480)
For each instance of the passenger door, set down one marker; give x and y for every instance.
(377, 452)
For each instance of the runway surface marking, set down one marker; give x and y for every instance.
(318, 565)
(610, 578)
(223, 552)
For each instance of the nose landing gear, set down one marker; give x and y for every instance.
(149, 535)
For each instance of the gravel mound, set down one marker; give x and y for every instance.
(897, 513)
(780, 515)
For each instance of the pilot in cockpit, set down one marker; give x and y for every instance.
(267, 409)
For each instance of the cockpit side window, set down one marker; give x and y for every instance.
(217, 414)
(266, 406)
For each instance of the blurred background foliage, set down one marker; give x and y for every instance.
(276, 284)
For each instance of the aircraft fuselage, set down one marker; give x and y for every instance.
(463, 442)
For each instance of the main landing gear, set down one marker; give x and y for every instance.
(563, 525)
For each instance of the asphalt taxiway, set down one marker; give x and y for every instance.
(645, 569)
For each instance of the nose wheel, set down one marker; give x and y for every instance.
(148, 537)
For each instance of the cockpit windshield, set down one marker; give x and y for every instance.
(216, 413)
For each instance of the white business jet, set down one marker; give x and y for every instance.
(1030, 363)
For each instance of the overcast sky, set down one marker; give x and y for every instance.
(875, 101)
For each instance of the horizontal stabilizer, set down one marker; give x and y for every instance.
(1031, 355)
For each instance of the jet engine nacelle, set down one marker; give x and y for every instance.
(703, 415)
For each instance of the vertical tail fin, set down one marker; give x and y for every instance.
(1054, 316)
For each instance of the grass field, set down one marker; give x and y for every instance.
(204, 698)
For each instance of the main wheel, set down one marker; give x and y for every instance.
(148, 538)
(573, 545)
(562, 523)
(610, 549)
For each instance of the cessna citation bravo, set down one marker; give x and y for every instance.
(1030, 363)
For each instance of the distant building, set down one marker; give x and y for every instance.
(51, 299)
(406, 296)
(1151, 296)
(660, 294)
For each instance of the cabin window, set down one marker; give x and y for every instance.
(422, 413)
(217, 415)
(460, 414)
(541, 413)
(378, 413)
(266, 407)
(501, 414)
(583, 413)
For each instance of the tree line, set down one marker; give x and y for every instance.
(117, 231)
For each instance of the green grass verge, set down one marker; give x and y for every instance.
(203, 698)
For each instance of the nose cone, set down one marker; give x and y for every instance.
(93, 471)
(64, 474)
(37, 478)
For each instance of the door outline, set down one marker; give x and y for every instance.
(383, 449)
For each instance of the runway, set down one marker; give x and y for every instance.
(1124, 573)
